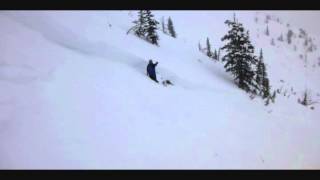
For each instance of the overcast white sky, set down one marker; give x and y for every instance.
(308, 20)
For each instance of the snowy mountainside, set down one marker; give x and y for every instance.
(76, 95)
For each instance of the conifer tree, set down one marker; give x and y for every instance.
(289, 36)
(306, 42)
(267, 31)
(280, 38)
(266, 88)
(145, 27)
(199, 47)
(215, 55)
(272, 42)
(239, 56)
(151, 26)
(163, 25)
(267, 19)
(218, 57)
(261, 77)
(209, 53)
(140, 24)
(171, 28)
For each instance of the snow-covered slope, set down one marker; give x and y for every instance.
(75, 95)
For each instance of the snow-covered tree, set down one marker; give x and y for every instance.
(151, 27)
(163, 25)
(302, 33)
(139, 27)
(267, 31)
(218, 57)
(271, 97)
(199, 47)
(306, 42)
(171, 30)
(280, 38)
(289, 36)
(215, 55)
(272, 42)
(209, 52)
(268, 18)
(145, 27)
(239, 56)
(262, 77)
(259, 71)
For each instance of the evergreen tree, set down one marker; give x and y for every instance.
(164, 29)
(215, 55)
(266, 88)
(218, 57)
(267, 31)
(267, 19)
(259, 72)
(261, 77)
(289, 36)
(209, 53)
(239, 56)
(145, 27)
(280, 38)
(151, 27)
(267, 101)
(140, 24)
(199, 46)
(171, 28)
(272, 42)
(273, 97)
(306, 42)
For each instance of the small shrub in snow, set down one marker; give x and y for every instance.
(306, 98)
(272, 42)
(301, 56)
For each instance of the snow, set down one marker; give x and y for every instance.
(75, 96)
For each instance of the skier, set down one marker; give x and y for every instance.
(151, 71)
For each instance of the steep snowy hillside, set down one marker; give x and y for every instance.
(75, 95)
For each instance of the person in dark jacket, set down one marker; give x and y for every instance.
(151, 70)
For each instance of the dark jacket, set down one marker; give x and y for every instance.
(152, 71)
